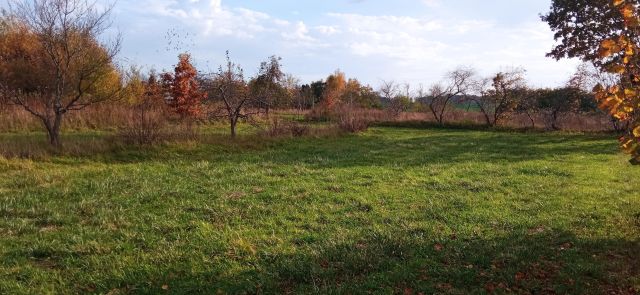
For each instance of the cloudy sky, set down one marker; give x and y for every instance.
(414, 41)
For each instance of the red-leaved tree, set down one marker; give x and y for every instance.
(185, 95)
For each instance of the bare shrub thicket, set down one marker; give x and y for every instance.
(351, 119)
(147, 124)
(277, 127)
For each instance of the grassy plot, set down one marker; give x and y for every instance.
(389, 210)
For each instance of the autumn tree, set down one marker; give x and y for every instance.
(306, 97)
(333, 89)
(368, 97)
(580, 26)
(317, 90)
(147, 108)
(554, 103)
(620, 54)
(183, 88)
(586, 78)
(266, 87)
(357, 95)
(459, 82)
(230, 90)
(52, 59)
(529, 104)
(499, 96)
(607, 34)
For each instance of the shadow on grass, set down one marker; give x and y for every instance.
(378, 147)
(473, 126)
(548, 262)
(384, 147)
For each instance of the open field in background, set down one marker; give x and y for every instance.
(390, 210)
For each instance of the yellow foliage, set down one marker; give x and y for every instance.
(622, 101)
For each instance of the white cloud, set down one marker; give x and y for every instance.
(431, 3)
(372, 47)
(299, 34)
(210, 17)
(327, 30)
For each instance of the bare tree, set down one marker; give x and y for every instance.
(71, 68)
(458, 84)
(498, 97)
(392, 93)
(586, 77)
(229, 88)
(529, 105)
(388, 90)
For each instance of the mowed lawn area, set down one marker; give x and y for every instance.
(391, 210)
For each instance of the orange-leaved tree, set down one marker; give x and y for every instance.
(185, 94)
(621, 55)
(52, 60)
(336, 84)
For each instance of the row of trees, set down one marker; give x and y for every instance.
(497, 97)
(52, 62)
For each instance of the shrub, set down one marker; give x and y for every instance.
(352, 120)
(146, 124)
(319, 113)
(277, 127)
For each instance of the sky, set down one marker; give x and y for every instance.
(408, 41)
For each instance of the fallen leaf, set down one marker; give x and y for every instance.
(490, 287)
(444, 286)
(566, 246)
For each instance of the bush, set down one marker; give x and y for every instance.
(319, 113)
(147, 124)
(353, 125)
(352, 120)
(346, 117)
(278, 128)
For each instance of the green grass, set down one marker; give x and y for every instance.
(388, 211)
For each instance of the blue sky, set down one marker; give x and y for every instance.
(414, 41)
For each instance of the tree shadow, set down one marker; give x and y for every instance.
(379, 147)
(413, 262)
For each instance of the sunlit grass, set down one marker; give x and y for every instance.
(389, 210)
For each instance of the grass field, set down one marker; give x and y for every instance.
(390, 210)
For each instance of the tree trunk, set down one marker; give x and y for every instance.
(53, 130)
(233, 122)
(484, 112)
(442, 111)
(435, 113)
(554, 121)
(533, 121)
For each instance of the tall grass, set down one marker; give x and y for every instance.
(111, 117)
(96, 117)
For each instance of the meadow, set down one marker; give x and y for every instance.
(390, 210)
